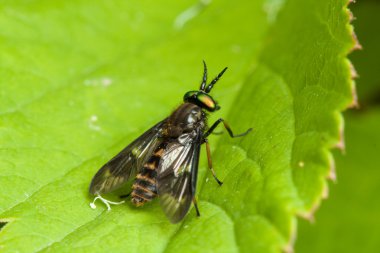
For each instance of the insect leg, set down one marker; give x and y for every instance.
(227, 127)
(210, 162)
(196, 206)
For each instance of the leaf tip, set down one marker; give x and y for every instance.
(341, 145)
(354, 46)
(354, 102)
(357, 45)
(309, 216)
(289, 247)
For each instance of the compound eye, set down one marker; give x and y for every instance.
(189, 95)
(207, 101)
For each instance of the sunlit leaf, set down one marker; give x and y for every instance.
(80, 80)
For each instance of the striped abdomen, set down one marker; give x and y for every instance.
(144, 188)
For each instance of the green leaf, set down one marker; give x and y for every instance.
(349, 220)
(79, 81)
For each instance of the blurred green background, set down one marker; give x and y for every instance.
(349, 220)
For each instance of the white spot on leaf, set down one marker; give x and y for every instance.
(92, 123)
(100, 82)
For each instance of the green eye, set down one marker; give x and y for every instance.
(201, 99)
(207, 101)
(189, 94)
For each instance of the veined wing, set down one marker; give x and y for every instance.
(125, 165)
(177, 175)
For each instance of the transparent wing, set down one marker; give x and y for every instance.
(125, 165)
(177, 176)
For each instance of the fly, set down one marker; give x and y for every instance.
(163, 161)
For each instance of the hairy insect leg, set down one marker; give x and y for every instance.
(210, 161)
(227, 127)
(196, 206)
(107, 202)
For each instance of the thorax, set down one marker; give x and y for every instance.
(185, 119)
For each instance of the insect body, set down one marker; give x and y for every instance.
(164, 160)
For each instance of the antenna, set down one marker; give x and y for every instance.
(204, 80)
(211, 85)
